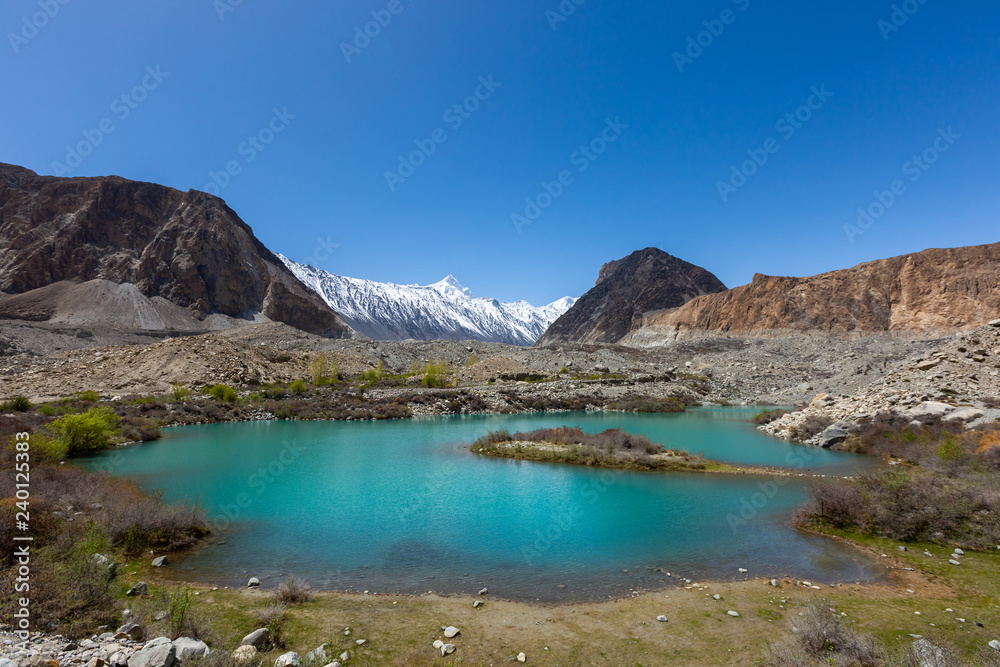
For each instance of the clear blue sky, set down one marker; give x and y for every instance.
(323, 175)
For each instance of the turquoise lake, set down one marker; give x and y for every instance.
(403, 506)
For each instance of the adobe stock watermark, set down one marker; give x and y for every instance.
(799, 457)
(562, 12)
(121, 108)
(913, 169)
(364, 34)
(786, 127)
(454, 116)
(249, 149)
(899, 17)
(581, 158)
(35, 23)
(565, 519)
(714, 28)
(321, 253)
(256, 484)
(223, 7)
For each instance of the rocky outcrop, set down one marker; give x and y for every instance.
(172, 251)
(627, 289)
(925, 294)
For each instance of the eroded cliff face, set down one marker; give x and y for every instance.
(187, 248)
(926, 294)
(627, 289)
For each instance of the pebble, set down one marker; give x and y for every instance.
(661, 618)
(521, 657)
(451, 631)
(734, 614)
(447, 648)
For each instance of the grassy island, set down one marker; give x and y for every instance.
(613, 448)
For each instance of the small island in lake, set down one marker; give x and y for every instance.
(613, 448)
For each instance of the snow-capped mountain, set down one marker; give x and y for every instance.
(444, 310)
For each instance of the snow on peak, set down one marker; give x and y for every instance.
(450, 287)
(444, 310)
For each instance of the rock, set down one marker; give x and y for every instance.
(131, 631)
(4, 662)
(258, 638)
(101, 559)
(253, 583)
(716, 597)
(344, 656)
(928, 365)
(360, 642)
(160, 615)
(484, 591)
(317, 656)
(244, 654)
(954, 562)
(447, 649)
(451, 631)
(964, 416)
(94, 662)
(734, 614)
(139, 590)
(995, 644)
(774, 582)
(929, 409)
(159, 652)
(477, 604)
(186, 647)
(437, 643)
(118, 659)
(994, 323)
(521, 657)
(290, 659)
(661, 618)
(959, 552)
(833, 435)
(160, 562)
(743, 570)
(930, 655)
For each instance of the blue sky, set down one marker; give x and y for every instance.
(328, 122)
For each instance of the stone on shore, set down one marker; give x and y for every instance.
(258, 638)
(253, 583)
(159, 652)
(833, 435)
(131, 631)
(139, 590)
(160, 561)
(451, 631)
(447, 649)
(186, 647)
(244, 654)
(290, 659)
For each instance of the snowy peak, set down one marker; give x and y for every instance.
(451, 288)
(444, 310)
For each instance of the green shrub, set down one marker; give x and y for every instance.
(471, 361)
(90, 396)
(768, 416)
(436, 376)
(223, 392)
(89, 431)
(324, 370)
(179, 392)
(47, 449)
(17, 404)
(298, 387)
(374, 375)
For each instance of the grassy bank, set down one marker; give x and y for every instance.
(613, 448)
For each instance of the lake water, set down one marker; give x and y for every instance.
(403, 506)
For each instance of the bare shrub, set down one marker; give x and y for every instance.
(810, 426)
(292, 591)
(823, 637)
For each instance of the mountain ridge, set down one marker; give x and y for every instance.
(443, 310)
(68, 245)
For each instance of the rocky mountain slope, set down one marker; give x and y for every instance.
(627, 289)
(444, 310)
(957, 381)
(925, 294)
(140, 255)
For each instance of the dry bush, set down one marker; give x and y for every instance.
(292, 591)
(823, 638)
(812, 425)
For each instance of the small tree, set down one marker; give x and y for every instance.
(319, 368)
(89, 431)
(298, 387)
